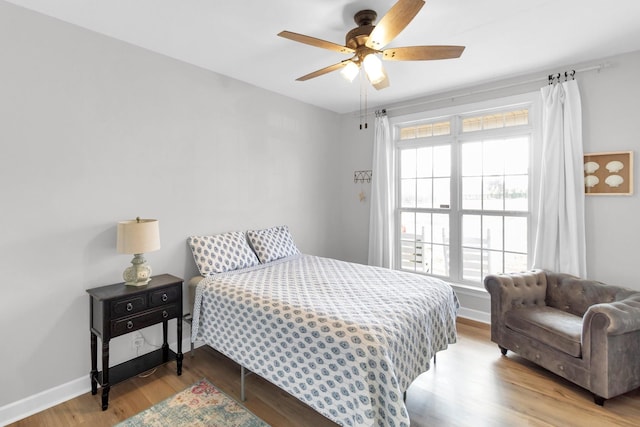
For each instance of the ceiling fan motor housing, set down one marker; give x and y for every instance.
(365, 17)
(356, 38)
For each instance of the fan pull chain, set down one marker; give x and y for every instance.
(363, 95)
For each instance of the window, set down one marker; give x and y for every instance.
(464, 192)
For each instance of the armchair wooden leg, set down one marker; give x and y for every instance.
(502, 350)
(598, 400)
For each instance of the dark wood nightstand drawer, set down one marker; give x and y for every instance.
(163, 296)
(128, 306)
(148, 318)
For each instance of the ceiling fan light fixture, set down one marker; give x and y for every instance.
(373, 68)
(366, 44)
(350, 71)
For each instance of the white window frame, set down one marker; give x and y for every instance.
(530, 100)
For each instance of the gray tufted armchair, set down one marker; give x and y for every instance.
(582, 330)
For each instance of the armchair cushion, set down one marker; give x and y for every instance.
(553, 327)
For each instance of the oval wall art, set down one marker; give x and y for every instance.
(591, 167)
(591, 181)
(614, 180)
(614, 166)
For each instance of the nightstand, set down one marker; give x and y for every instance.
(119, 309)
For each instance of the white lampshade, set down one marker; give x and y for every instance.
(138, 236)
(373, 68)
(350, 71)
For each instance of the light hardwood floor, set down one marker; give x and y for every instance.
(472, 384)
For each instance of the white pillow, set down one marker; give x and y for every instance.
(273, 243)
(222, 252)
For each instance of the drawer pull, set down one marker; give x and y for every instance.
(129, 306)
(129, 324)
(165, 314)
(164, 297)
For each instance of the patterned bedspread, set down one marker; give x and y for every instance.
(346, 339)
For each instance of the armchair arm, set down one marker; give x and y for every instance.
(620, 317)
(516, 290)
(611, 344)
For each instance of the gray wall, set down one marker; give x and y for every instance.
(352, 218)
(610, 123)
(610, 109)
(93, 131)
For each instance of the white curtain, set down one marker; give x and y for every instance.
(382, 195)
(560, 238)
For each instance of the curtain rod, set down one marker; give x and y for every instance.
(597, 67)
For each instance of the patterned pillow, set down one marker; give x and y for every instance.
(222, 252)
(273, 243)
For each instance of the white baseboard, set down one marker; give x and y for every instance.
(46, 399)
(477, 315)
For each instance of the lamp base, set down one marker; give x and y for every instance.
(139, 273)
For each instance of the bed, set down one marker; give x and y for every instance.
(344, 338)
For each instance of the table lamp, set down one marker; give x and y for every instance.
(137, 237)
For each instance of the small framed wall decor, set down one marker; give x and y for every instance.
(608, 173)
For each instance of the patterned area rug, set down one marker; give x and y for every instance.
(199, 405)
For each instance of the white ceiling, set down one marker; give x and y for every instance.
(237, 38)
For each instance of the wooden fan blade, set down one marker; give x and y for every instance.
(422, 53)
(301, 38)
(393, 22)
(324, 70)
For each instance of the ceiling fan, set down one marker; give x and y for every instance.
(367, 41)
